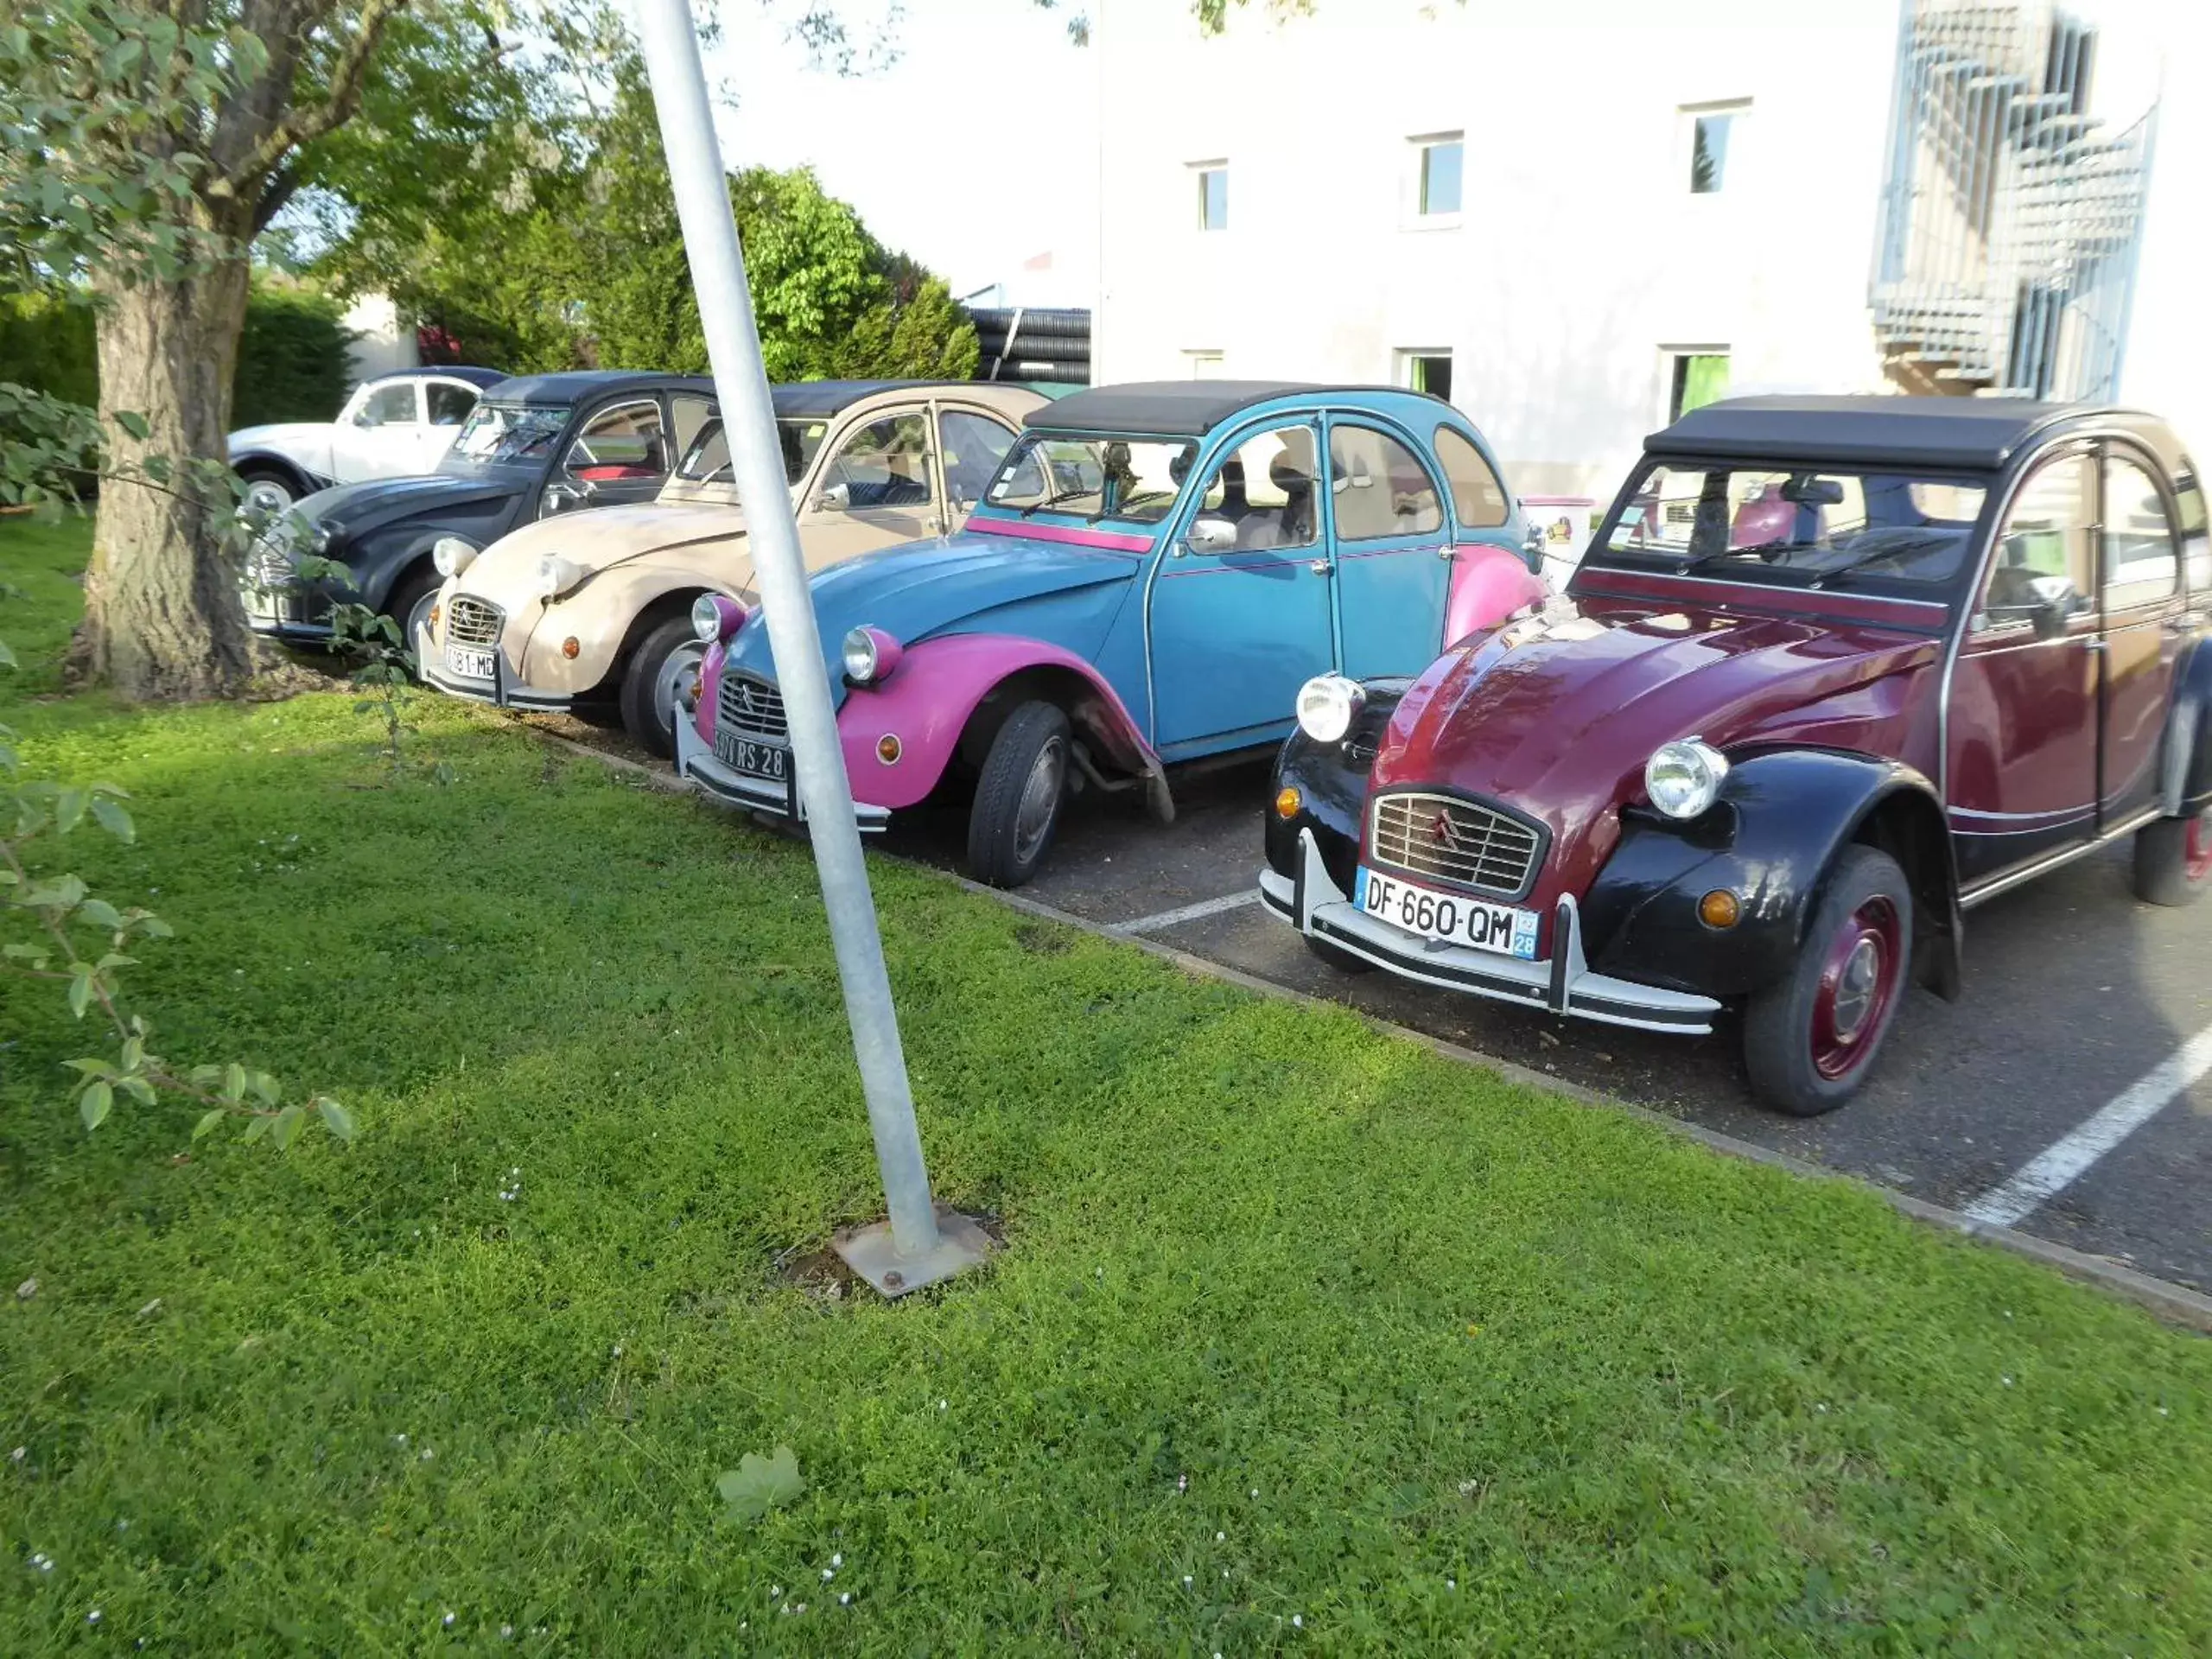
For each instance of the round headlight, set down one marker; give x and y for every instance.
(1326, 704)
(318, 539)
(707, 619)
(1683, 778)
(451, 555)
(555, 575)
(871, 656)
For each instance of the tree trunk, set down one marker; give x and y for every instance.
(162, 616)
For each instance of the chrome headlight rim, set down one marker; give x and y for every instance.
(557, 576)
(451, 555)
(1682, 778)
(1327, 704)
(869, 654)
(716, 617)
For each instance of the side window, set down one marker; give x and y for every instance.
(2195, 546)
(391, 405)
(2043, 556)
(1476, 496)
(690, 413)
(2140, 564)
(623, 443)
(885, 464)
(1379, 487)
(451, 401)
(1263, 489)
(973, 447)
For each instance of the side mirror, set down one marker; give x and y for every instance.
(566, 497)
(367, 417)
(838, 498)
(2056, 603)
(1209, 536)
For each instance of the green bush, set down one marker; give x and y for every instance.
(293, 362)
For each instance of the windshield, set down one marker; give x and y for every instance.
(1799, 529)
(707, 462)
(1133, 479)
(509, 432)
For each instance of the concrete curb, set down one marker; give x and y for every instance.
(2173, 1303)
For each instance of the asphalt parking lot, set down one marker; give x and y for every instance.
(2075, 995)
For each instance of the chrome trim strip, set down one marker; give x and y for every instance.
(2043, 866)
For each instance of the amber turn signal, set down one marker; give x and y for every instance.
(436, 611)
(570, 646)
(1288, 803)
(888, 749)
(1720, 908)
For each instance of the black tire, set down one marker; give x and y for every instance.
(271, 489)
(650, 681)
(1019, 796)
(1336, 956)
(410, 601)
(1811, 1038)
(2173, 861)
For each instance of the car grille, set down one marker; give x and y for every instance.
(752, 707)
(1459, 841)
(471, 622)
(271, 567)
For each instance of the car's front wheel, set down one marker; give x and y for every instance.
(1811, 1038)
(2173, 859)
(665, 662)
(268, 490)
(1019, 796)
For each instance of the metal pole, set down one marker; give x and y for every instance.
(916, 1250)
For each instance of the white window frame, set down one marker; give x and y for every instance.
(1417, 149)
(1195, 173)
(1687, 116)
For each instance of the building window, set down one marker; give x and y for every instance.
(1711, 129)
(1426, 370)
(1213, 195)
(1438, 186)
(1696, 379)
(1204, 365)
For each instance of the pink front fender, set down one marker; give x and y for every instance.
(927, 701)
(1488, 585)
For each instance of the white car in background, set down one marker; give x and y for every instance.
(395, 426)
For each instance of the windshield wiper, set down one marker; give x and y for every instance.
(1052, 501)
(1704, 559)
(1870, 556)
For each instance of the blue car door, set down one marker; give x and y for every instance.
(1391, 547)
(1240, 613)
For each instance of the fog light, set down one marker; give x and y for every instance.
(571, 647)
(888, 749)
(1720, 908)
(1288, 803)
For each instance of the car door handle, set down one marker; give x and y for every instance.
(1320, 567)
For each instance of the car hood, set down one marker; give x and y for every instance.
(303, 441)
(711, 536)
(970, 583)
(352, 510)
(1556, 716)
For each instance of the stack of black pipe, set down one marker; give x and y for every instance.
(1022, 344)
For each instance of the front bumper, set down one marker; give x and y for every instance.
(696, 760)
(499, 691)
(1311, 902)
(288, 614)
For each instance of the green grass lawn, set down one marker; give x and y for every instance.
(1303, 1339)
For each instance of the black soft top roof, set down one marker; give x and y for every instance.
(1183, 409)
(573, 385)
(1955, 433)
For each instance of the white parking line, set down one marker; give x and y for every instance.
(1187, 913)
(2062, 1163)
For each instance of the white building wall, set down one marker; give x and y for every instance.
(1581, 254)
(381, 343)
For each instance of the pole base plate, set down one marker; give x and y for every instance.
(960, 1244)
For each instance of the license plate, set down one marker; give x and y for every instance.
(468, 663)
(769, 760)
(1455, 917)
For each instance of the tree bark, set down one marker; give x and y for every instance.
(163, 615)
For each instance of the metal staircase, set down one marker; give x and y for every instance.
(2010, 219)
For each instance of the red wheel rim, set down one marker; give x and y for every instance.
(1859, 981)
(2197, 848)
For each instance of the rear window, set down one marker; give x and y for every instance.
(1477, 498)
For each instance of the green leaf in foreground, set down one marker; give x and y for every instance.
(758, 1485)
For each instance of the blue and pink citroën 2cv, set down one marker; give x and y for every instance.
(1151, 576)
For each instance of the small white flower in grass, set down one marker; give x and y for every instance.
(2007, 1381)
(1820, 1408)
(1451, 1584)
(1255, 1492)
(1225, 1572)
(845, 1599)
(775, 1593)
(837, 1560)
(828, 1573)
(19, 1454)
(399, 1439)
(1182, 1482)
(92, 1617)
(2163, 1412)
(448, 1621)
(1186, 1578)
(800, 1608)
(944, 1405)
(1221, 1537)
(428, 1455)
(506, 1632)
